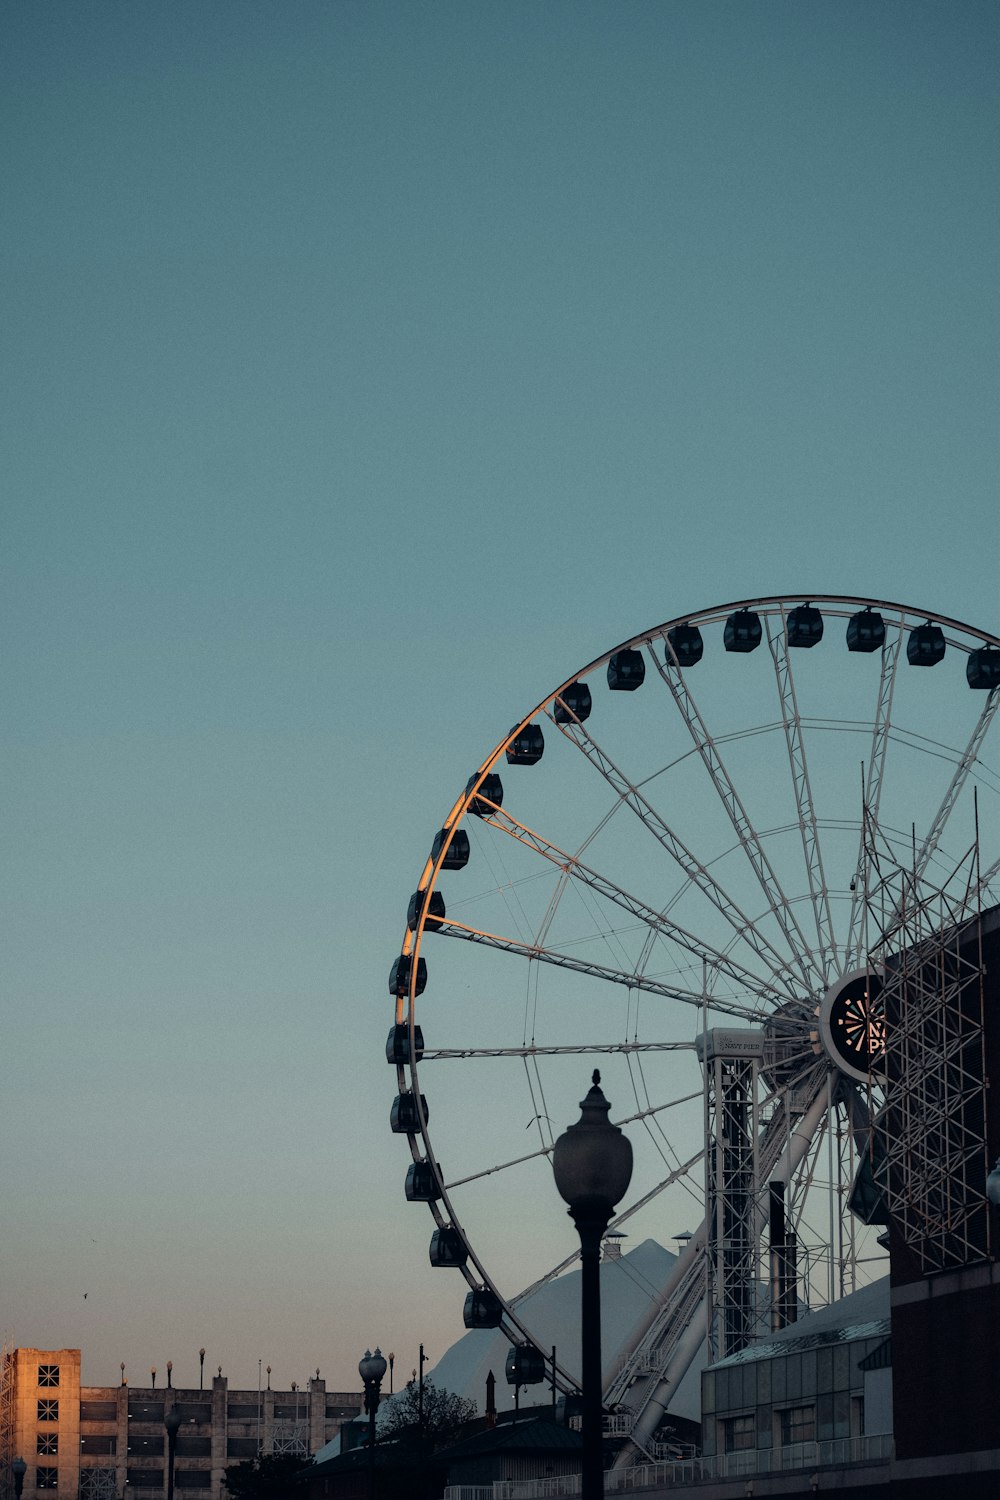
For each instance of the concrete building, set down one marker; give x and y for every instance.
(85, 1442)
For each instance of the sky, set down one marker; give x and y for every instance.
(367, 369)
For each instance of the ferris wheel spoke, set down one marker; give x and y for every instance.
(681, 1171)
(872, 790)
(749, 841)
(630, 795)
(433, 1054)
(628, 980)
(658, 922)
(811, 848)
(517, 1161)
(961, 775)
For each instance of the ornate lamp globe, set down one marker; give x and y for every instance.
(372, 1367)
(592, 1160)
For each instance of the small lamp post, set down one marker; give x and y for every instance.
(371, 1369)
(171, 1421)
(592, 1166)
(20, 1468)
(201, 1369)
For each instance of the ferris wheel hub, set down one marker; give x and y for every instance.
(851, 1028)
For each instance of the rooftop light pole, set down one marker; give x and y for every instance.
(371, 1369)
(592, 1166)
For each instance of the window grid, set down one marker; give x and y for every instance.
(798, 1425)
(46, 1479)
(48, 1375)
(48, 1411)
(740, 1433)
(47, 1442)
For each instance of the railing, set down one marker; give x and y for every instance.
(833, 1454)
(537, 1489)
(613, 1423)
(672, 1453)
(469, 1492)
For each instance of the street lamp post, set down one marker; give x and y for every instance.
(171, 1421)
(371, 1369)
(20, 1468)
(592, 1166)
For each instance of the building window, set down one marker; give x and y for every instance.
(798, 1425)
(98, 1411)
(145, 1411)
(739, 1433)
(48, 1411)
(190, 1445)
(46, 1479)
(144, 1479)
(145, 1444)
(195, 1411)
(48, 1442)
(98, 1442)
(193, 1479)
(242, 1447)
(48, 1374)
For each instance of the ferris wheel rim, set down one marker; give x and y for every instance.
(961, 636)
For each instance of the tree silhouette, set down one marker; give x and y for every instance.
(268, 1477)
(444, 1414)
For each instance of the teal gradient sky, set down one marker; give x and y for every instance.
(367, 368)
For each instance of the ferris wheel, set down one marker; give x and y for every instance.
(687, 863)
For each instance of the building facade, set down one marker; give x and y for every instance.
(82, 1442)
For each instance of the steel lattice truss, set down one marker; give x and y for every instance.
(98, 1484)
(931, 1128)
(290, 1437)
(6, 1421)
(731, 1168)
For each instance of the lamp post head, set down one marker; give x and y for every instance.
(372, 1367)
(592, 1160)
(172, 1420)
(19, 1467)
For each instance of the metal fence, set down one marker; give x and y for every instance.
(827, 1455)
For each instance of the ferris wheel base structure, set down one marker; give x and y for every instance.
(729, 843)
